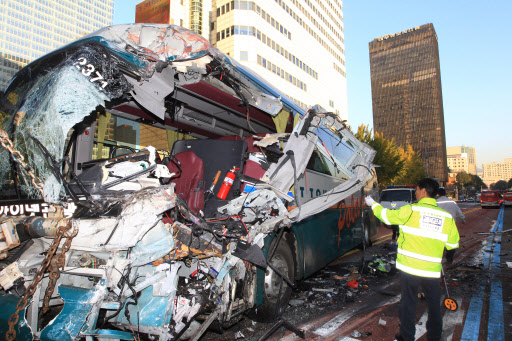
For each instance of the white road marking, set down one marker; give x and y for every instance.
(421, 328)
(333, 324)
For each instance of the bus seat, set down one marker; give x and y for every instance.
(252, 168)
(190, 183)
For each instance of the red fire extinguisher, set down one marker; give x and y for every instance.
(227, 183)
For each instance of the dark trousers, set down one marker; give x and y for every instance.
(449, 255)
(432, 290)
(396, 232)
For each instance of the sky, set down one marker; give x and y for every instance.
(475, 51)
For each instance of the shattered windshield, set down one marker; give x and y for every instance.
(47, 101)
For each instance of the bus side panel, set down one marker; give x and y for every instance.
(328, 235)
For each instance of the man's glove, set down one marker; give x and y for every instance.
(369, 200)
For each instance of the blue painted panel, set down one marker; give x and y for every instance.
(8, 304)
(71, 319)
(150, 311)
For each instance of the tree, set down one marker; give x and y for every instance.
(500, 185)
(509, 183)
(387, 157)
(464, 179)
(396, 165)
(477, 181)
(413, 169)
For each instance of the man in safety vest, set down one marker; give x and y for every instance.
(425, 231)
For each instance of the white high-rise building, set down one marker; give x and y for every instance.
(458, 163)
(32, 28)
(459, 152)
(298, 46)
(496, 171)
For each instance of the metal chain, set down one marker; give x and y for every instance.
(16, 156)
(61, 233)
(56, 266)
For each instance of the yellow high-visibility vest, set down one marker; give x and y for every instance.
(425, 230)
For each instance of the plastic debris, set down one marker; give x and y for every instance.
(353, 284)
(380, 265)
(323, 290)
(382, 322)
(296, 301)
(355, 333)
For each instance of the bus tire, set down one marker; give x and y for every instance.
(273, 306)
(367, 240)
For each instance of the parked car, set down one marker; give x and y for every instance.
(395, 197)
(490, 199)
(151, 184)
(507, 199)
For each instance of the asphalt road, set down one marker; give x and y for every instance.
(325, 308)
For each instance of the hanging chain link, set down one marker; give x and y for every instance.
(62, 232)
(56, 266)
(16, 156)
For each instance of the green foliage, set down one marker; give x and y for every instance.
(470, 182)
(477, 182)
(397, 166)
(500, 185)
(463, 179)
(413, 169)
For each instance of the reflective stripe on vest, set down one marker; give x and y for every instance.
(422, 273)
(419, 256)
(384, 217)
(453, 245)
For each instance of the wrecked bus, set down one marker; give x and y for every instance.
(114, 150)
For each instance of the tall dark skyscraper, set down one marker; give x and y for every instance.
(406, 94)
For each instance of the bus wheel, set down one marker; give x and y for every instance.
(274, 305)
(367, 240)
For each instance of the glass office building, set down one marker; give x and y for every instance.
(32, 28)
(406, 94)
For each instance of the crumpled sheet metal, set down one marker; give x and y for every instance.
(269, 139)
(141, 212)
(159, 42)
